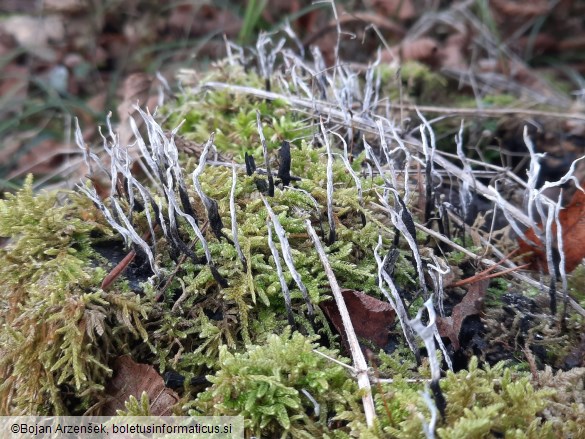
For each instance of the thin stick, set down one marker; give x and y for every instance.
(121, 266)
(118, 270)
(367, 125)
(347, 366)
(359, 360)
(451, 111)
(484, 276)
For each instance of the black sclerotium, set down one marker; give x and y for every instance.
(215, 220)
(250, 164)
(284, 163)
(218, 277)
(261, 185)
(406, 218)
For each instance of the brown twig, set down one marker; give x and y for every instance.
(122, 265)
(118, 270)
(482, 276)
(372, 361)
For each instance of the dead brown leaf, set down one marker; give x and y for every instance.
(572, 219)
(453, 53)
(136, 91)
(401, 9)
(576, 42)
(10, 146)
(424, 50)
(131, 379)
(14, 85)
(362, 44)
(370, 317)
(471, 304)
(43, 158)
(97, 104)
(37, 35)
(279, 9)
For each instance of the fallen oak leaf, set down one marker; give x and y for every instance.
(131, 379)
(470, 305)
(572, 220)
(371, 318)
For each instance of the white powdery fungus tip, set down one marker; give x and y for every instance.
(287, 255)
(283, 285)
(330, 215)
(233, 217)
(394, 298)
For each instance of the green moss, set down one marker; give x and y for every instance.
(498, 287)
(268, 385)
(481, 403)
(500, 100)
(420, 83)
(232, 116)
(252, 307)
(136, 407)
(56, 325)
(493, 400)
(59, 328)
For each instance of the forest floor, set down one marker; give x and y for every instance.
(480, 192)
